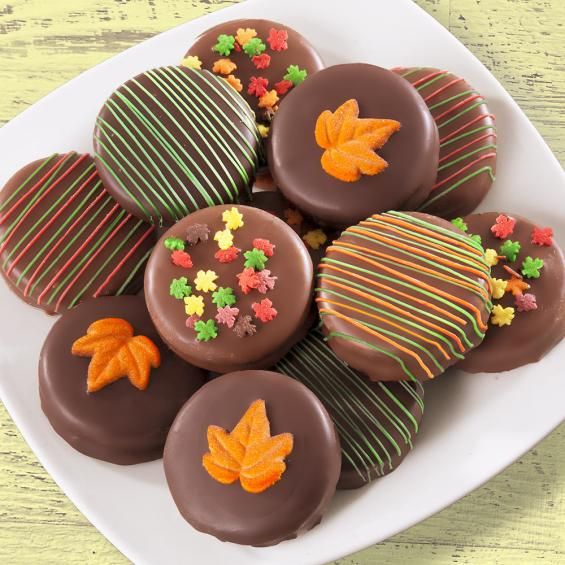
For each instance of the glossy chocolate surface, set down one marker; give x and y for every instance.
(118, 423)
(411, 153)
(296, 503)
(64, 239)
(291, 295)
(531, 335)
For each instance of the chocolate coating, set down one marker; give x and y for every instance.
(64, 239)
(532, 334)
(376, 422)
(300, 52)
(118, 423)
(291, 506)
(291, 295)
(467, 155)
(411, 153)
(403, 296)
(275, 203)
(173, 140)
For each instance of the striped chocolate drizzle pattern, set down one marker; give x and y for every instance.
(56, 272)
(366, 424)
(479, 134)
(180, 164)
(377, 285)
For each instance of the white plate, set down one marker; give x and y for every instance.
(475, 425)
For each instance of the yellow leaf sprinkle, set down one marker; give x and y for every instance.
(233, 218)
(194, 305)
(204, 281)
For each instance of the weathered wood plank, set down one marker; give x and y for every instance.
(517, 518)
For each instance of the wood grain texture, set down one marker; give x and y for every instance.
(519, 516)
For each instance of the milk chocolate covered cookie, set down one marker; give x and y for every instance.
(353, 140)
(261, 59)
(63, 238)
(173, 140)
(403, 296)
(108, 384)
(467, 135)
(376, 422)
(528, 270)
(230, 288)
(253, 458)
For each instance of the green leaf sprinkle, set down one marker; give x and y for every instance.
(531, 267)
(295, 75)
(255, 259)
(510, 249)
(254, 47)
(460, 223)
(206, 330)
(180, 288)
(174, 244)
(224, 296)
(225, 44)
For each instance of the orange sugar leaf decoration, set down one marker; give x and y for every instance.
(116, 353)
(248, 453)
(350, 142)
(269, 99)
(224, 66)
(516, 286)
(234, 82)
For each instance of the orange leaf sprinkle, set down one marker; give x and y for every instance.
(516, 286)
(269, 100)
(234, 83)
(224, 67)
(248, 453)
(350, 142)
(293, 217)
(116, 353)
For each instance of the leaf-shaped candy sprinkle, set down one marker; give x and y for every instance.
(248, 452)
(350, 142)
(531, 267)
(206, 330)
(116, 353)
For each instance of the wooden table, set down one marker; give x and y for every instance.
(519, 516)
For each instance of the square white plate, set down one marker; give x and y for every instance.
(475, 425)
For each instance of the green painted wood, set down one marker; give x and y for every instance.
(518, 518)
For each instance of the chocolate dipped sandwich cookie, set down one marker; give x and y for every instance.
(467, 137)
(352, 140)
(173, 140)
(253, 458)
(108, 385)
(261, 59)
(230, 288)
(403, 296)
(377, 422)
(528, 270)
(64, 239)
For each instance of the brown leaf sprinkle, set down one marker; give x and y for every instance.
(248, 453)
(116, 353)
(350, 142)
(196, 233)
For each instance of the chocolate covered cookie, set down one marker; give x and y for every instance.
(261, 59)
(467, 136)
(528, 270)
(173, 140)
(108, 385)
(229, 288)
(63, 238)
(403, 296)
(376, 422)
(253, 458)
(353, 140)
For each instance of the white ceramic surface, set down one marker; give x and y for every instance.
(474, 426)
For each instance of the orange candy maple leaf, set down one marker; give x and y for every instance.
(248, 453)
(116, 353)
(350, 142)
